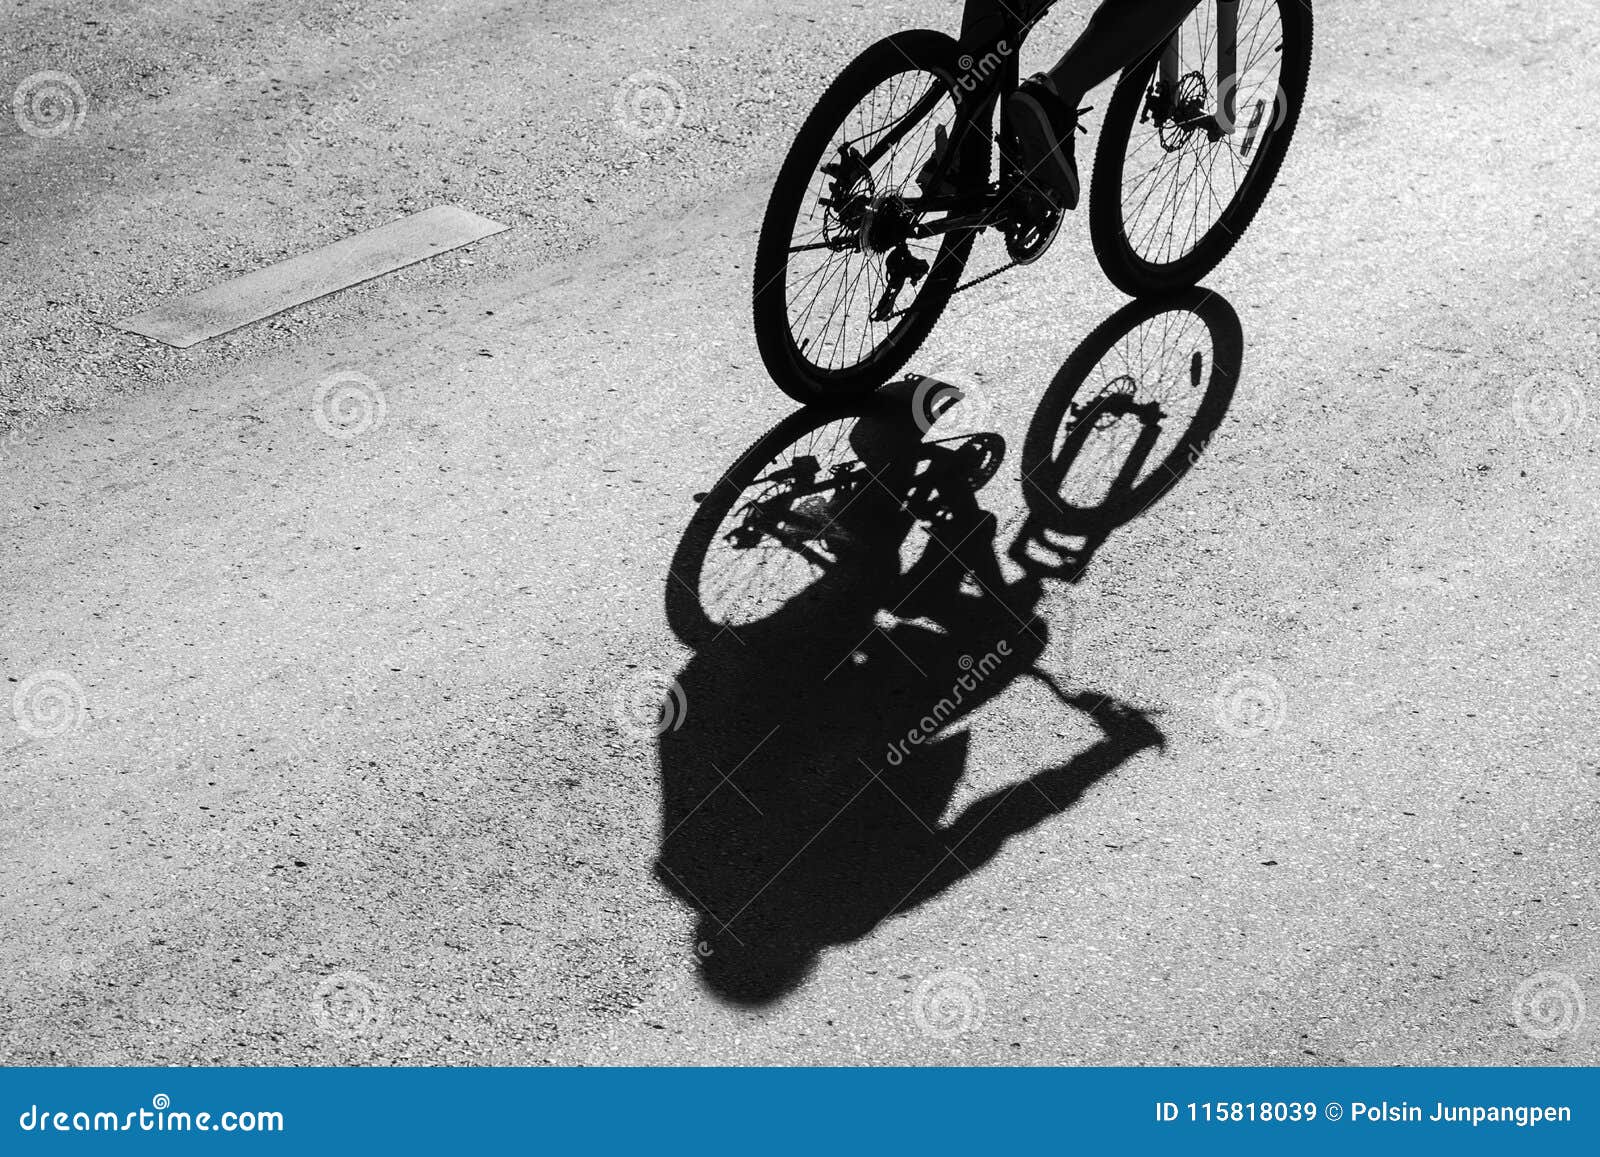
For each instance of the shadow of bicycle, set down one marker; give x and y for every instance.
(851, 604)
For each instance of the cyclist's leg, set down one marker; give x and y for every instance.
(1119, 33)
(1044, 109)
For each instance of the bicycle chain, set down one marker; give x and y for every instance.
(974, 283)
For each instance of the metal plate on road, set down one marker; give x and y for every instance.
(272, 290)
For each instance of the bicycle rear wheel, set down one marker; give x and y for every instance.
(843, 297)
(1173, 191)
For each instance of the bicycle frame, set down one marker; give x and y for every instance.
(991, 42)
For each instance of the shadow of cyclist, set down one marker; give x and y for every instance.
(844, 592)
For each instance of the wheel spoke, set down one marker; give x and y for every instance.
(1178, 184)
(835, 273)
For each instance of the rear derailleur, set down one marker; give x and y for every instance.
(901, 267)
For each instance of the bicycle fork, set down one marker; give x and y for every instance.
(1226, 117)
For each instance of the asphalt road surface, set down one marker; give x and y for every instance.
(334, 645)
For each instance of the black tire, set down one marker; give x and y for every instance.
(798, 375)
(1138, 273)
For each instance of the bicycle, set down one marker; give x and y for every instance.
(865, 209)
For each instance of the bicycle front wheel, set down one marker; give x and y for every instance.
(1176, 179)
